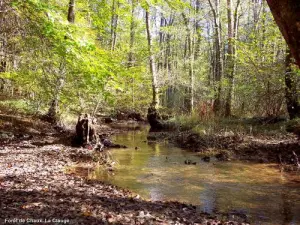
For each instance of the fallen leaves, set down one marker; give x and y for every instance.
(33, 205)
(34, 183)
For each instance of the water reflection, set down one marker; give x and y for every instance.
(157, 171)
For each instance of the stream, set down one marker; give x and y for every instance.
(156, 171)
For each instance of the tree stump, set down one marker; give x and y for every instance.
(85, 130)
(153, 119)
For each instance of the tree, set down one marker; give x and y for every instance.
(287, 16)
(218, 66)
(232, 18)
(293, 106)
(181, 54)
(114, 23)
(10, 28)
(132, 34)
(155, 96)
(71, 11)
(189, 55)
(52, 114)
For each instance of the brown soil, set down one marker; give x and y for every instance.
(229, 146)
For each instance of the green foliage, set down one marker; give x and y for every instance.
(19, 106)
(76, 64)
(230, 126)
(56, 53)
(260, 87)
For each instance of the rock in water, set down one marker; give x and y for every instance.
(135, 116)
(223, 156)
(206, 159)
(187, 162)
(108, 120)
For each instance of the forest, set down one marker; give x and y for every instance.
(149, 112)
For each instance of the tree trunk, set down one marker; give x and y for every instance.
(165, 59)
(231, 53)
(190, 58)
(287, 16)
(155, 97)
(161, 65)
(256, 7)
(132, 34)
(52, 115)
(3, 41)
(291, 88)
(114, 24)
(131, 52)
(169, 67)
(198, 32)
(71, 11)
(2, 66)
(230, 59)
(218, 70)
(2, 80)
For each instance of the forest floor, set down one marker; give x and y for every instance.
(36, 187)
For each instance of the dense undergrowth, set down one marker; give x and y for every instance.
(255, 126)
(242, 126)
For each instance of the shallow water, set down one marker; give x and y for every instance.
(157, 172)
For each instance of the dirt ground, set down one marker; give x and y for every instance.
(231, 146)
